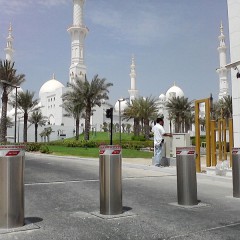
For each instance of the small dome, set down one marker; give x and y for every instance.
(123, 105)
(50, 86)
(11, 113)
(174, 91)
(162, 97)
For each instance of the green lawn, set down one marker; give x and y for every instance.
(94, 152)
(105, 136)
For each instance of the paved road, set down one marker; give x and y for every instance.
(62, 202)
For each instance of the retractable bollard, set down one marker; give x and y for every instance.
(12, 186)
(110, 176)
(235, 172)
(186, 176)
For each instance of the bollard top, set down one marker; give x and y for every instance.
(12, 150)
(3, 147)
(235, 150)
(110, 150)
(185, 151)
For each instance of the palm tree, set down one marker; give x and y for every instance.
(148, 110)
(73, 107)
(90, 94)
(181, 111)
(9, 74)
(225, 107)
(37, 119)
(46, 133)
(26, 104)
(132, 112)
(9, 123)
(142, 109)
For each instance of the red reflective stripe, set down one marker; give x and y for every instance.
(178, 152)
(13, 153)
(101, 151)
(191, 152)
(116, 152)
(234, 152)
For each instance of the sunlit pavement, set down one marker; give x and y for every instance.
(62, 202)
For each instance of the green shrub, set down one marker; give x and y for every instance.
(138, 138)
(44, 149)
(202, 139)
(33, 147)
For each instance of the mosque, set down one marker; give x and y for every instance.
(51, 91)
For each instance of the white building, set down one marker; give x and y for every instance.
(173, 91)
(51, 91)
(234, 37)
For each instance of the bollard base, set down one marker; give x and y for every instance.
(199, 205)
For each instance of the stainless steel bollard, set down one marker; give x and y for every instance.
(186, 176)
(110, 176)
(235, 172)
(11, 186)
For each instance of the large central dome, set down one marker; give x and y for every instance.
(50, 86)
(174, 91)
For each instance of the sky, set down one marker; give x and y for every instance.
(173, 41)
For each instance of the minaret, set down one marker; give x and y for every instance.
(222, 70)
(133, 92)
(9, 49)
(78, 32)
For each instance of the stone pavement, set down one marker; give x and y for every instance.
(62, 202)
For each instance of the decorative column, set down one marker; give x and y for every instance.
(9, 48)
(222, 70)
(78, 32)
(133, 92)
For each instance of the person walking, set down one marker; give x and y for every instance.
(159, 132)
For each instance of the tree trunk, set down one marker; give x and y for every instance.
(77, 128)
(3, 132)
(25, 119)
(146, 129)
(36, 130)
(87, 123)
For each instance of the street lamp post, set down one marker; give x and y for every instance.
(120, 123)
(15, 119)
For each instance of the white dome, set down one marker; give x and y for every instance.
(174, 91)
(123, 105)
(50, 86)
(162, 97)
(11, 113)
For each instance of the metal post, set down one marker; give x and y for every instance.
(235, 172)
(110, 176)
(224, 140)
(213, 143)
(15, 123)
(220, 138)
(197, 137)
(230, 138)
(186, 176)
(208, 146)
(11, 186)
(111, 130)
(120, 129)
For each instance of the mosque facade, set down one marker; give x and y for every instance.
(50, 93)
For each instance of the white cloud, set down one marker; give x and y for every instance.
(140, 26)
(18, 6)
(50, 3)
